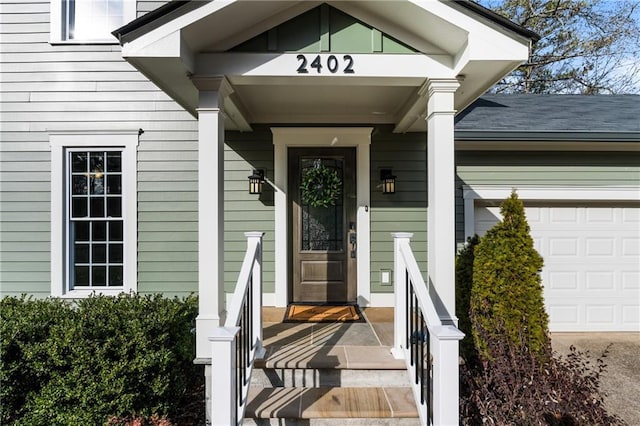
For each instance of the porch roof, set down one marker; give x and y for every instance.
(184, 41)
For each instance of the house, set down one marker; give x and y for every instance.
(125, 160)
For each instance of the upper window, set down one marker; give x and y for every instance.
(89, 21)
(93, 213)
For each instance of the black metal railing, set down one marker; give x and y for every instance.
(244, 344)
(418, 342)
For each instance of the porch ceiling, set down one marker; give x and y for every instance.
(186, 44)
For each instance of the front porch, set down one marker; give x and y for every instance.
(425, 342)
(382, 82)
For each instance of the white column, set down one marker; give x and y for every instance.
(212, 309)
(441, 189)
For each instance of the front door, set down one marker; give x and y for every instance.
(322, 188)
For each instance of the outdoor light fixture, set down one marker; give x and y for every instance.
(256, 180)
(388, 181)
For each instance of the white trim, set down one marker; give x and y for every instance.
(404, 69)
(358, 137)
(471, 193)
(59, 143)
(55, 24)
(382, 300)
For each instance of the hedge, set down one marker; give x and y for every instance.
(87, 361)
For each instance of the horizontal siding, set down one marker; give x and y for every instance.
(517, 169)
(404, 211)
(245, 212)
(83, 88)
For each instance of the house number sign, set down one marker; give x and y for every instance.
(332, 63)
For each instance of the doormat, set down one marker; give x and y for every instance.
(297, 312)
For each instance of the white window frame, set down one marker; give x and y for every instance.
(55, 27)
(60, 143)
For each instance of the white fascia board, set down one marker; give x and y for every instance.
(168, 46)
(485, 41)
(140, 44)
(391, 66)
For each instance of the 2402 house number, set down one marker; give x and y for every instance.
(333, 64)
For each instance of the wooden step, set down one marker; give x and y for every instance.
(332, 403)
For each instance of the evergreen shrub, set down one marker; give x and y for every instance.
(506, 297)
(87, 361)
(464, 282)
(515, 378)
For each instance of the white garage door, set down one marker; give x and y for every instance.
(591, 273)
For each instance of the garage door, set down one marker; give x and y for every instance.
(591, 272)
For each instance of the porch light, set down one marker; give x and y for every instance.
(388, 181)
(256, 180)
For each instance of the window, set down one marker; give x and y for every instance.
(93, 213)
(95, 219)
(89, 21)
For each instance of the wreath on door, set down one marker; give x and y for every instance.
(321, 185)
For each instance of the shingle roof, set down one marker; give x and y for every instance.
(559, 114)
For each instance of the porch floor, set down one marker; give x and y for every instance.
(331, 370)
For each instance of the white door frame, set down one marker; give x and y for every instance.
(286, 137)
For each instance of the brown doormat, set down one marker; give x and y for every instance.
(297, 312)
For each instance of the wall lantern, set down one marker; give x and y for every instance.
(256, 180)
(388, 181)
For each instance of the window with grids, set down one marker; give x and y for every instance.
(89, 21)
(96, 224)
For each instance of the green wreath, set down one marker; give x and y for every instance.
(321, 186)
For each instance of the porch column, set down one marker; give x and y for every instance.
(211, 307)
(441, 190)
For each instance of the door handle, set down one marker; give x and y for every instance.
(353, 240)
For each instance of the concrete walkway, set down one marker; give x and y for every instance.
(621, 381)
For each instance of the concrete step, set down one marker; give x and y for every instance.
(347, 366)
(306, 406)
(318, 377)
(333, 422)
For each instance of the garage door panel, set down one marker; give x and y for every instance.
(631, 247)
(591, 273)
(630, 280)
(630, 317)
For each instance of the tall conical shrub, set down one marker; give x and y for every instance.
(506, 297)
(464, 282)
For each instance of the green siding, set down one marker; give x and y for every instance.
(324, 29)
(404, 211)
(72, 87)
(518, 169)
(244, 212)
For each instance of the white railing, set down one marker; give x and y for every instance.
(429, 347)
(236, 346)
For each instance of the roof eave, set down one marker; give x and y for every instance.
(498, 19)
(545, 136)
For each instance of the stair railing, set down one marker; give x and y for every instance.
(429, 347)
(238, 344)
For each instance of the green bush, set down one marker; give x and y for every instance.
(83, 362)
(464, 282)
(506, 297)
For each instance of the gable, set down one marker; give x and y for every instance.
(372, 60)
(324, 29)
